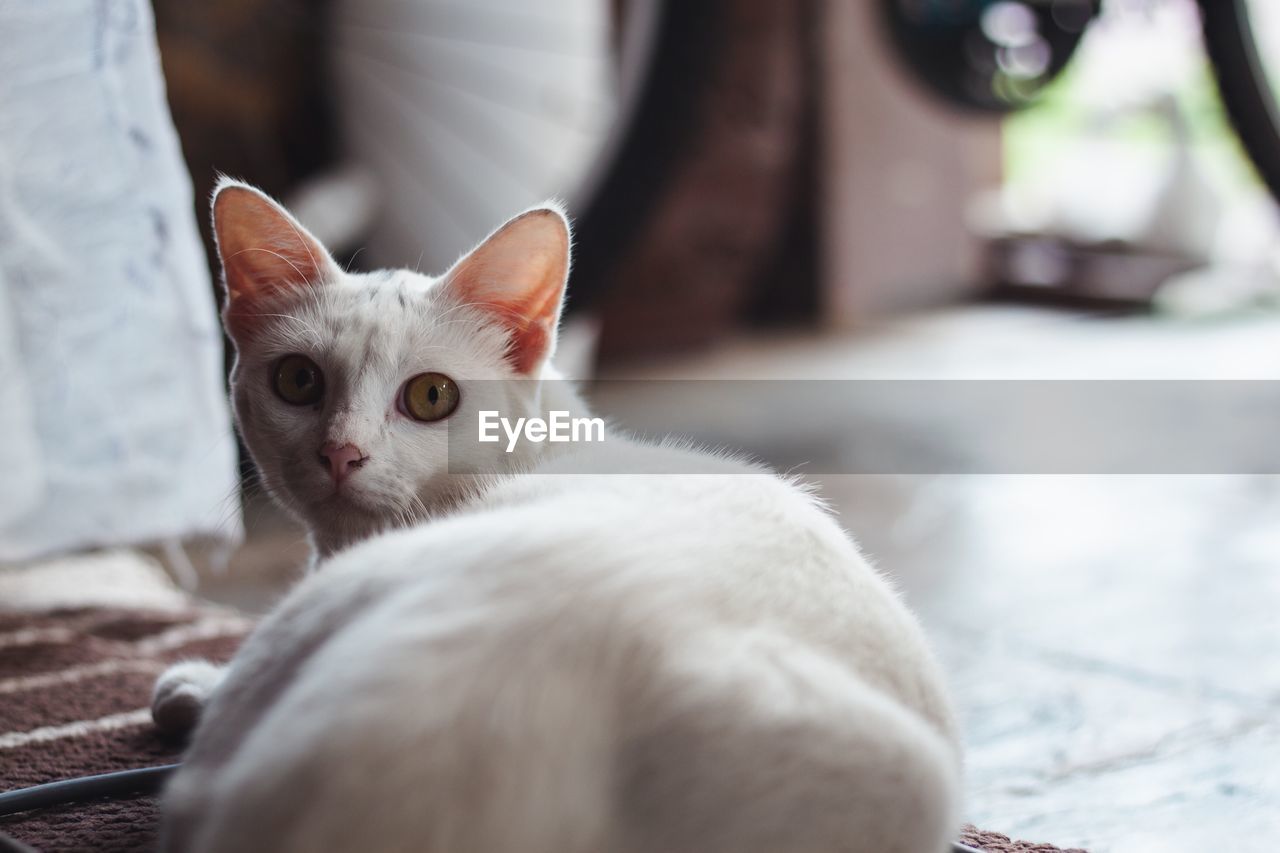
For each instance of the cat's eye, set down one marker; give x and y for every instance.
(297, 380)
(429, 397)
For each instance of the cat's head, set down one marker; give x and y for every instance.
(345, 383)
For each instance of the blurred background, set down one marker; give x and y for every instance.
(817, 189)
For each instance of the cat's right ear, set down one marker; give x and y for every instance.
(265, 253)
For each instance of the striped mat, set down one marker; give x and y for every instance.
(74, 689)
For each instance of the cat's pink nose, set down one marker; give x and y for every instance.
(342, 459)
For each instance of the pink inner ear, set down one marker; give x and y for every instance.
(264, 251)
(518, 277)
(530, 327)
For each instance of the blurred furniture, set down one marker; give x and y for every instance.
(674, 131)
(246, 85)
(899, 170)
(696, 264)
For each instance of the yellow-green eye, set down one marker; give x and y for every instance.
(298, 380)
(429, 397)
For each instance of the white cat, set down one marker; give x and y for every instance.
(542, 659)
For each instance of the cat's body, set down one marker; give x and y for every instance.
(558, 661)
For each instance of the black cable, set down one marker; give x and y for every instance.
(123, 783)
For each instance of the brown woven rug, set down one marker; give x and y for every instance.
(74, 689)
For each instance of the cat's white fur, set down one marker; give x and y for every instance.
(545, 660)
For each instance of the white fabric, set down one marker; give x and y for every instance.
(114, 426)
(117, 578)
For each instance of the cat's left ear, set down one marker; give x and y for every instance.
(517, 276)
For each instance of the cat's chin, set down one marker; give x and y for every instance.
(345, 518)
(349, 501)
(374, 509)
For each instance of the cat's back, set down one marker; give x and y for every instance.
(672, 514)
(706, 501)
(675, 542)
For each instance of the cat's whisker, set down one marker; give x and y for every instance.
(306, 245)
(351, 260)
(483, 308)
(414, 510)
(291, 331)
(226, 511)
(459, 306)
(302, 277)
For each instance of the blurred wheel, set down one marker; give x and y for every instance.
(1242, 38)
(986, 55)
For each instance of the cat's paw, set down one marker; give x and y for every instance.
(180, 695)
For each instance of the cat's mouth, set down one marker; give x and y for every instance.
(349, 496)
(369, 505)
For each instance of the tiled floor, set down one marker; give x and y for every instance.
(1113, 642)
